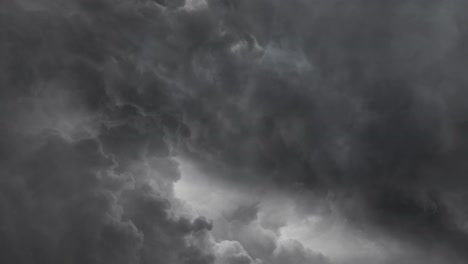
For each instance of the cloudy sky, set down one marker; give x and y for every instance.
(233, 131)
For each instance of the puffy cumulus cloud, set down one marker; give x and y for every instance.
(291, 251)
(244, 222)
(261, 222)
(61, 201)
(259, 242)
(359, 103)
(232, 252)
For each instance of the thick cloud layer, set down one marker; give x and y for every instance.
(355, 110)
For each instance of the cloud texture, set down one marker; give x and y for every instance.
(339, 117)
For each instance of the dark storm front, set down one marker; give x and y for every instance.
(226, 132)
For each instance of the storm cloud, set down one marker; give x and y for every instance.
(228, 132)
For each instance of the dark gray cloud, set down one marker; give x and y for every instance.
(73, 183)
(62, 202)
(361, 102)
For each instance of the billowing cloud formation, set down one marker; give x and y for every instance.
(232, 252)
(61, 202)
(294, 252)
(355, 110)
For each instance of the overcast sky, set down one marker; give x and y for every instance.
(233, 131)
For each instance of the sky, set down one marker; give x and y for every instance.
(233, 132)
